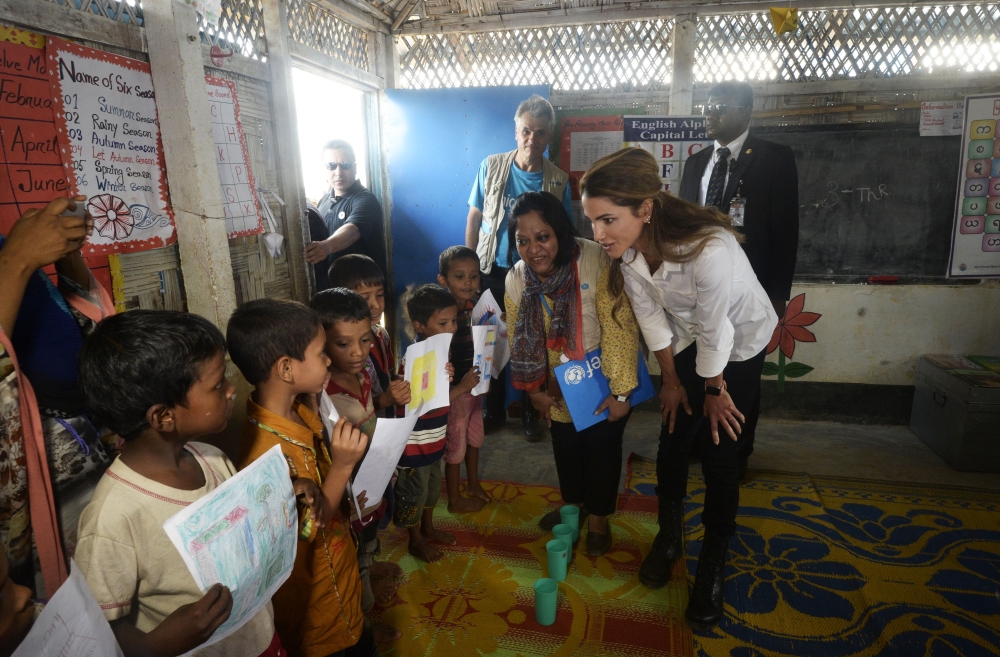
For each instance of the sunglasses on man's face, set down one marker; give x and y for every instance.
(720, 109)
(344, 166)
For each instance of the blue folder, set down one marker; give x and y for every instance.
(584, 387)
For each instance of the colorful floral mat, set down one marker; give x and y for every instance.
(834, 567)
(479, 599)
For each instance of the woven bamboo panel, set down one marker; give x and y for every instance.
(850, 44)
(318, 28)
(631, 56)
(126, 11)
(240, 28)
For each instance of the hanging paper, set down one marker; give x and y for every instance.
(239, 192)
(110, 147)
(785, 19)
(672, 140)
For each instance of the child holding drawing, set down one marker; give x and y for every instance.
(157, 378)
(280, 347)
(431, 310)
(347, 322)
(458, 272)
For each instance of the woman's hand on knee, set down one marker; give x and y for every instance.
(672, 396)
(721, 410)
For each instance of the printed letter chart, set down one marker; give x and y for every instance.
(32, 169)
(109, 141)
(671, 140)
(975, 239)
(239, 194)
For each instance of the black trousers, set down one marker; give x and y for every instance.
(496, 398)
(718, 462)
(589, 463)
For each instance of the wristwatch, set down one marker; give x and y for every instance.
(714, 390)
(622, 398)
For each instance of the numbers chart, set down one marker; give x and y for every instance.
(975, 251)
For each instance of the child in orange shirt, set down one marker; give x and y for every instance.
(280, 347)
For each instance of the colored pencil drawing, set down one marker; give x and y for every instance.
(242, 535)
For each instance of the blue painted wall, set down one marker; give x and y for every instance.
(435, 140)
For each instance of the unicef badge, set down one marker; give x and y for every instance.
(574, 375)
(342, 215)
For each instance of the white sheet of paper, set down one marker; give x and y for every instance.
(425, 371)
(483, 343)
(328, 413)
(72, 623)
(488, 312)
(942, 118)
(242, 534)
(585, 148)
(382, 458)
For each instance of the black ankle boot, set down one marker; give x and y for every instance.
(668, 546)
(705, 607)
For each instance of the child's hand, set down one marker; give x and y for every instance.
(362, 499)
(471, 379)
(309, 492)
(400, 392)
(450, 369)
(347, 445)
(193, 624)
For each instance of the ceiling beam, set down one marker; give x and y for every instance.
(623, 11)
(350, 8)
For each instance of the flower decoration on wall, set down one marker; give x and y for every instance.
(790, 329)
(112, 217)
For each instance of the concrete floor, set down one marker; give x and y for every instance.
(888, 453)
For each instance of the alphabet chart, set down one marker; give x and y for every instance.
(239, 193)
(109, 143)
(671, 140)
(975, 240)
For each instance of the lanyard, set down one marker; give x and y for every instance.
(312, 450)
(546, 304)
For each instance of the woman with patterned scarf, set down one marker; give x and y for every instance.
(560, 308)
(51, 456)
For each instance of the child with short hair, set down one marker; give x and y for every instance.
(280, 347)
(158, 379)
(347, 322)
(431, 310)
(458, 272)
(360, 273)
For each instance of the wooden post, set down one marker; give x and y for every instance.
(279, 60)
(682, 78)
(175, 58)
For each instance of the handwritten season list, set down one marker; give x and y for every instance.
(110, 145)
(32, 168)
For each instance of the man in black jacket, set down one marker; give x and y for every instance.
(756, 183)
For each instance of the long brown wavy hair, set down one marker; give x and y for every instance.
(677, 231)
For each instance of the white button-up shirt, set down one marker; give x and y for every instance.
(714, 300)
(735, 146)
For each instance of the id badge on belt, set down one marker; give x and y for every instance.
(737, 206)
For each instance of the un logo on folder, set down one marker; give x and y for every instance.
(574, 375)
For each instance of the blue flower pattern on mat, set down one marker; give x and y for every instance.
(798, 570)
(974, 589)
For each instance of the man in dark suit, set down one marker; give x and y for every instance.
(742, 172)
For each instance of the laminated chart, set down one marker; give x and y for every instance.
(243, 535)
(109, 144)
(239, 192)
(671, 140)
(975, 239)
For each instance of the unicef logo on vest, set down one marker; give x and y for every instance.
(574, 375)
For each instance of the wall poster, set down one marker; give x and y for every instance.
(975, 237)
(671, 140)
(586, 139)
(109, 139)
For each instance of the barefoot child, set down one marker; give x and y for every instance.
(158, 379)
(280, 347)
(432, 310)
(347, 322)
(458, 269)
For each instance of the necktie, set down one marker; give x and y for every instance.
(717, 183)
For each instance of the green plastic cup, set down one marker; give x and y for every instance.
(546, 591)
(558, 559)
(564, 533)
(571, 516)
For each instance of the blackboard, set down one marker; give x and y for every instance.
(873, 200)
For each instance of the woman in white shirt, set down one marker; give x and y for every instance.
(708, 320)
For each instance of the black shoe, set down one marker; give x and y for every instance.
(534, 430)
(741, 468)
(705, 607)
(668, 546)
(598, 543)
